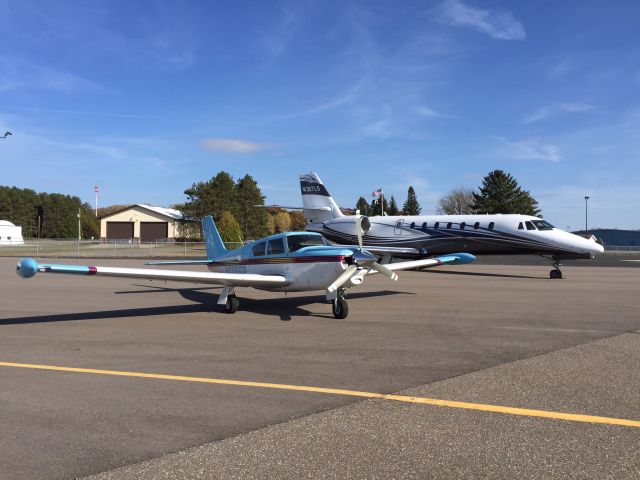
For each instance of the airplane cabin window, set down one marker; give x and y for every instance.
(476, 225)
(529, 225)
(491, 225)
(275, 246)
(449, 225)
(436, 225)
(462, 225)
(542, 224)
(413, 224)
(424, 225)
(258, 249)
(520, 226)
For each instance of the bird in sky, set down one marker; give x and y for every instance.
(6, 134)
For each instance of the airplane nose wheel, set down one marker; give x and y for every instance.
(232, 304)
(340, 307)
(556, 272)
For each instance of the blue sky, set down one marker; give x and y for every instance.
(144, 98)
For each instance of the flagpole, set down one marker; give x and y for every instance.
(381, 202)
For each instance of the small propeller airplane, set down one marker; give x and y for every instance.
(285, 262)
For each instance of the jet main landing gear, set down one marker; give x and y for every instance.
(556, 272)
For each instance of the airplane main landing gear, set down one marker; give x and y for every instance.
(556, 272)
(231, 306)
(339, 306)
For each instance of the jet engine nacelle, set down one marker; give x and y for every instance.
(350, 226)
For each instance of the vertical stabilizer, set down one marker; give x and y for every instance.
(212, 240)
(317, 203)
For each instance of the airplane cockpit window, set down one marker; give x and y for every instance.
(529, 225)
(296, 242)
(258, 249)
(491, 225)
(275, 246)
(462, 225)
(476, 225)
(542, 225)
(520, 226)
(424, 225)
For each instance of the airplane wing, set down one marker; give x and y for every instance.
(451, 259)
(28, 267)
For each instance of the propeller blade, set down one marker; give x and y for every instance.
(343, 278)
(384, 270)
(359, 228)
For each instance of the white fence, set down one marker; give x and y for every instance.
(97, 249)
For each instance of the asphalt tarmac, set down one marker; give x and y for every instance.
(473, 371)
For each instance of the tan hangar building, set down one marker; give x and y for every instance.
(140, 223)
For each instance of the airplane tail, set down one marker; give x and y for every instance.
(318, 205)
(212, 240)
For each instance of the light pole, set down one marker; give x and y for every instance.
(586, 215)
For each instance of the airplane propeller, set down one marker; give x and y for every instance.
(363, 259)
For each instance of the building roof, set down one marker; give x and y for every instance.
(167, 212)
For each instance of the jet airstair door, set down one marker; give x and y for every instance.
(398, 228)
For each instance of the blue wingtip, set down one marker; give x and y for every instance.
(27, 268)
(465, 258)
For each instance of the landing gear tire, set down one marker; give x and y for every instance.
(232, 304)
(340, 308)
(555, 274)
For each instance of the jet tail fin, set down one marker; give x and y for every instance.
(212, 240)
(318, 205)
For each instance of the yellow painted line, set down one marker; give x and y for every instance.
(572, 417)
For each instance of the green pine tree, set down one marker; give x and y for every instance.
(393, 207)
(252, 219)
(500, 193)
(411, 206)
(363, 206)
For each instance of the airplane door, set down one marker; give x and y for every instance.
(398, 228)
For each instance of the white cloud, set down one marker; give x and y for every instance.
(430, 113)
(18, 74)
(529, 149)
(499, 25)
(553, 110)
(230, 145)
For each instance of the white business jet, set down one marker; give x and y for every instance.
(423, 236)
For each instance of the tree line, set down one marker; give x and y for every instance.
(238, 208)
(499, 193)
(47, 215)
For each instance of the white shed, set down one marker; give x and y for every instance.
(10, 234)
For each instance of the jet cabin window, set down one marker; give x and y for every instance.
(529, 225)
(491, 225)
(413, 225)
(520, 226)
(296, 242)
(476, 225)
(275, 246)
(449, 225)
(258, 250)
(542, 224)
(462, 225)
(424, 225)
(436, 225)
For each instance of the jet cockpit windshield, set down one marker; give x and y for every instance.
(296, 242)
(542, 225)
